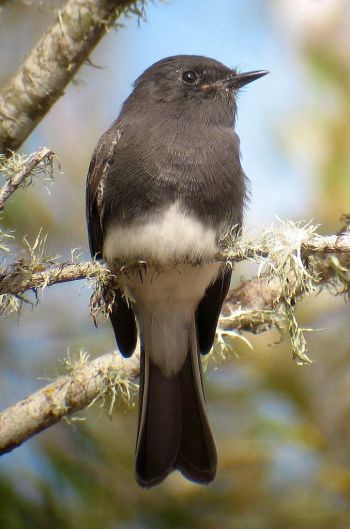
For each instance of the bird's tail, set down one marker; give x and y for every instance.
(174, 431)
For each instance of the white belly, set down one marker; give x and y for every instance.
(172, 237)
(165, 302)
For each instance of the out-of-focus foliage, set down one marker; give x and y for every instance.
(321, 36)
(282, 430)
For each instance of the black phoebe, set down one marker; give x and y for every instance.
(165, 183)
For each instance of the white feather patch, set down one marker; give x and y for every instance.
(173, 236)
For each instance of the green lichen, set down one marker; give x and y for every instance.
(116, 388)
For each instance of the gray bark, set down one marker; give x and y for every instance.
(52, 64)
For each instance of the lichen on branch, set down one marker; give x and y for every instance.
(292, 259)
(18, 170)
(52, 64)
(86, 381)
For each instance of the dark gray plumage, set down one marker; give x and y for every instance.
(165, 183)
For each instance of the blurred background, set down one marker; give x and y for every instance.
(283, 431)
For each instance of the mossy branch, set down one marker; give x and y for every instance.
(36, 272)
(52, 64)
(293, 260)
(108, 375)
(18, 169)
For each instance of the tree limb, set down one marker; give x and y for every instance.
(52, 64)
(328, 244)
(18, 278)
(21, 277)
(66, 395)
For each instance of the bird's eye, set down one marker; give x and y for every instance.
(189, 77)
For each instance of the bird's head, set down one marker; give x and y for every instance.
(192, 83)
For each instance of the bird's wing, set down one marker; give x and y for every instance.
(209, 309)
(98, 170)
(122, 316)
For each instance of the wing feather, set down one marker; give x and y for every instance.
(100, 164)
(209, 309)
(122, 316)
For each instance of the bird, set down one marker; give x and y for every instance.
(164, 186)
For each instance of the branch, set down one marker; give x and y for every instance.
(328, 244)
(66, 395)
(21, 276)
(52, 64)
(26, 167)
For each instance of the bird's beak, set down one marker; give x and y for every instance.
(237, 80)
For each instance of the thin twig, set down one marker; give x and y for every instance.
(14, 181)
